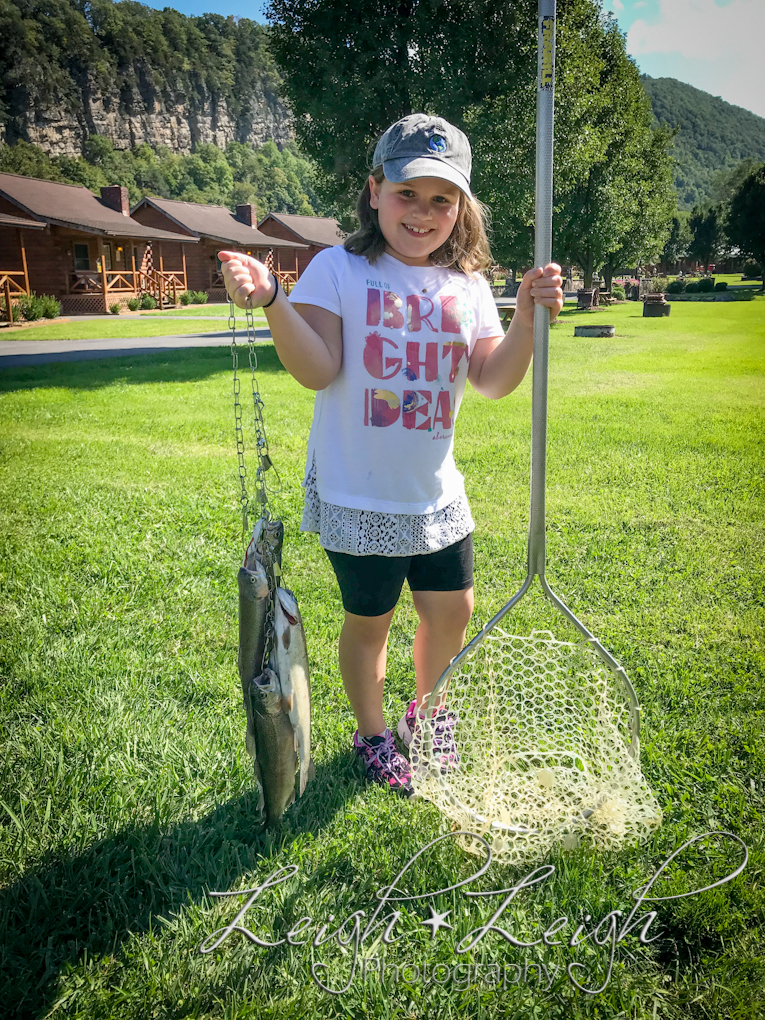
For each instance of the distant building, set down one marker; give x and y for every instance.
(317, 232)
(88, 252)
(216, 228)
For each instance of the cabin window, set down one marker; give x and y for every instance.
(119, 256)
(81, 257)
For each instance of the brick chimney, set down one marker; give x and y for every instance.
(117, 198)
(247, 214)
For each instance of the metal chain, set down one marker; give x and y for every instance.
(244, 499)
(261, 438)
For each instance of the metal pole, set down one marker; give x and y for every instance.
(542, 255)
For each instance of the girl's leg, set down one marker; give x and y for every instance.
(444, 616)
(363, 655)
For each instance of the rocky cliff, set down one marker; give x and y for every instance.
(134, 75)
(59, 126)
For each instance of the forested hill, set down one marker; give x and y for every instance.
(713, 136)
(70, 69)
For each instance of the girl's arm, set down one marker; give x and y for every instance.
(308, 339)
(498, 364)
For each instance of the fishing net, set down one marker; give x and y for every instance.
(544, 750)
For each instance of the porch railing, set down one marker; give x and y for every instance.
(12, 285)
(163, 286)
(286, 279)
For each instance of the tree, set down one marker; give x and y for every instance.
(679, 240)
(350, 70)
(619, 210)
(707, 235)
(746, 216)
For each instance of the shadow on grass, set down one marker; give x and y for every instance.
(92, 901)
(131, 368)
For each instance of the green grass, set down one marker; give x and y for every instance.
(220, 310)
(126, 790)
(116, 328)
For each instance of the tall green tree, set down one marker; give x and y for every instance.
(679, 240)
(708, 239)
(618, 209)
(349, 71)
(746, 216)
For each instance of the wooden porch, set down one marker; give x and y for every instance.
(14, 283)
(97, 290)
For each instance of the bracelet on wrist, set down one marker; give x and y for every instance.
(276, 291)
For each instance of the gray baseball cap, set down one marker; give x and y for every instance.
(423, 146)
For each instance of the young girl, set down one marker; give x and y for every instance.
(387, 328)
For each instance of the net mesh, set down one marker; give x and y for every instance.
(540, 730)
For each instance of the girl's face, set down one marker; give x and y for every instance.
(415, 217)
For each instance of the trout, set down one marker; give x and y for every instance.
(253, 605)
(276, 744)
(290, 658)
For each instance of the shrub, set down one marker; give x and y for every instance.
(134, 304)
(115, 308)
(185, 297)
(31, 307)
(148, 302)
(676, 287)
(199, 297)
(656, 285)
(51, 307)
(706, 285)
(692, 287)
(751, 270)
(722, 285)
(617, 291)
(15, 313)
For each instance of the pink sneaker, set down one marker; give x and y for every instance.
(443, 733)
(383, 762)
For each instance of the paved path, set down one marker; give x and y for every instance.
(41, 352)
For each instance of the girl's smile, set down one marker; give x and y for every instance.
(416, 217)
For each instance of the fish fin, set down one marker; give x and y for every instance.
(287, 701)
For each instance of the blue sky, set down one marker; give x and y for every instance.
(715, 45)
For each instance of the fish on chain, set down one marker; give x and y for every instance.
(276, 744)
(279, 713)
(290, 662)
(253, 607)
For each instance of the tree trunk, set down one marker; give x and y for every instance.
(587, 270)
(608, 276)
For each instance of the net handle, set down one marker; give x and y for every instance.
(542, 255)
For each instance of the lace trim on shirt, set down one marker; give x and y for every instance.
(371, 533)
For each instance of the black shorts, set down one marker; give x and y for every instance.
(371, 585)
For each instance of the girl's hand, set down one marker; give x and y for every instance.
(244, 278)
(543, 287)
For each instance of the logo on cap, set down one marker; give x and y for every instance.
(437, 143)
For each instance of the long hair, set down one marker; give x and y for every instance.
(465, 250)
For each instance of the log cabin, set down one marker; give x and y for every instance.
(316, 232)
(217, 228)
(86, 251)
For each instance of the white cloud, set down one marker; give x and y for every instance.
(726, 42)
(617, 5)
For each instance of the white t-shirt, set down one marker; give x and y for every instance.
(383, 430)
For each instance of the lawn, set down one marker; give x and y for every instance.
(116, 328)
(218, 310)
(126, 790)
